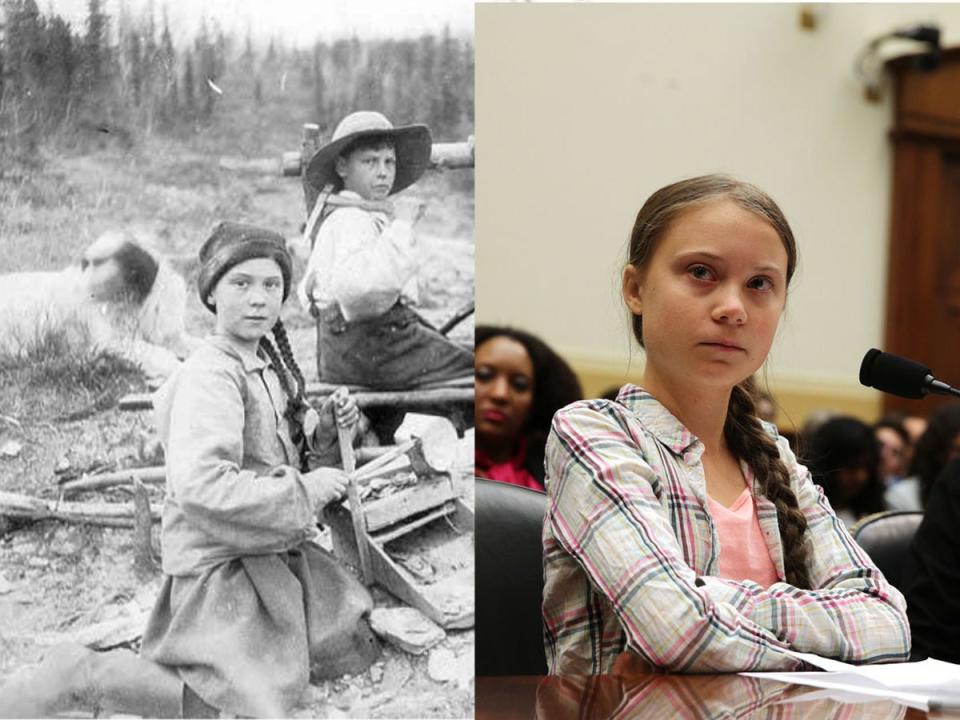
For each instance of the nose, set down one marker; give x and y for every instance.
(730, 307)
(257, 296)
(499, 389)
(382, 169)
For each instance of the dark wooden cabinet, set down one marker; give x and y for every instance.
(923, 291)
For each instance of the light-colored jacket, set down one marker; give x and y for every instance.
(363, 261)
(631, 558)
(232, 486)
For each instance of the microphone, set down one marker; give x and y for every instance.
(900, 376)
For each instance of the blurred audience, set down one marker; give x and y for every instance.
(520, 384)
(933, 595)
(843, 457)
(894, 442)
(936, 447)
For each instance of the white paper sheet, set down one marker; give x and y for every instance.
(918, 685)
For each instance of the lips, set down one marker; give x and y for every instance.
(494, 416)
(724, 345)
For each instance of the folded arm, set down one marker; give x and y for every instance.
(851, 614)
(607, 511)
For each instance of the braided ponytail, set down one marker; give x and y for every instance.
(286, 366)
(748, 441)
(283, 343)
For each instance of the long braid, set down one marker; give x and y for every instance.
(283, 343)
(748, 441)
(295, 398)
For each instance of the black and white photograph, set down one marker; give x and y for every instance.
(236, 359)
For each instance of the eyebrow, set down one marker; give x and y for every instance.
(250, 276)
(720, 259)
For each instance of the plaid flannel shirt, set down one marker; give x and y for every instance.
(631, 558)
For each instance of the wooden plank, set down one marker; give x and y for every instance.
(429, 493)
(402, 529)
(353, 497)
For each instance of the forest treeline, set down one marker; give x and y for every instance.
(129, 75)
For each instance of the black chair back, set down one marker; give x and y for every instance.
(886, 537)
(509, 579)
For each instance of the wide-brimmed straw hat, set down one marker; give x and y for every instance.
(412, 144)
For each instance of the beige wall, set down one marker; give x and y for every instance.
(583, 110)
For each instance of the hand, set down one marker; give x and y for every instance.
(409, 209)
(330, 483)
(339, 409)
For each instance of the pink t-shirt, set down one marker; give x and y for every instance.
(743, 550)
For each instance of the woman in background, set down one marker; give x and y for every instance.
(520, 384)
(843, 456)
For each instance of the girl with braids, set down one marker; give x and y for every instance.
(681, 533)
(250, 607)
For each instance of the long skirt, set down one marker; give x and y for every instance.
(395, 351)
(247, 634)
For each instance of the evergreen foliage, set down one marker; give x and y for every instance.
(127, 76)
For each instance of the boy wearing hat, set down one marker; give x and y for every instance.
(361, 277)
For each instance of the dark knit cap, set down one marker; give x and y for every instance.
(233, 243)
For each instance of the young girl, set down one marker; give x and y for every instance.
(250, 607)
(679, 527)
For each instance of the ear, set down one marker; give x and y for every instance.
(340, 165)
(632, 289)
(139, 268)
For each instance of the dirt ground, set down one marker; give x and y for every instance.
(57, 578)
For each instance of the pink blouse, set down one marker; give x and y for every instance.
(743, 551)
(511, 471)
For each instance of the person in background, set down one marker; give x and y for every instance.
(936, 447)
(843, 457)
(361, 279)
(933, 591)
(916, 426)
(520, 384)
(894, 442)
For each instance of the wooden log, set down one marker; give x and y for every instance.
(438, 440)
(262, 166)
(150, 475)
(94, 513)
(453, 155)
(143, 562)
(155, 475)
(364, 398)
(443, 156)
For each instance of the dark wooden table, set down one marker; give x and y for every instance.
(667, 696)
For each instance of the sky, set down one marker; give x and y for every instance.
(299, 22)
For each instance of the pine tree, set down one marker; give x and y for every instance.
(188, 88)
(451, 84)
